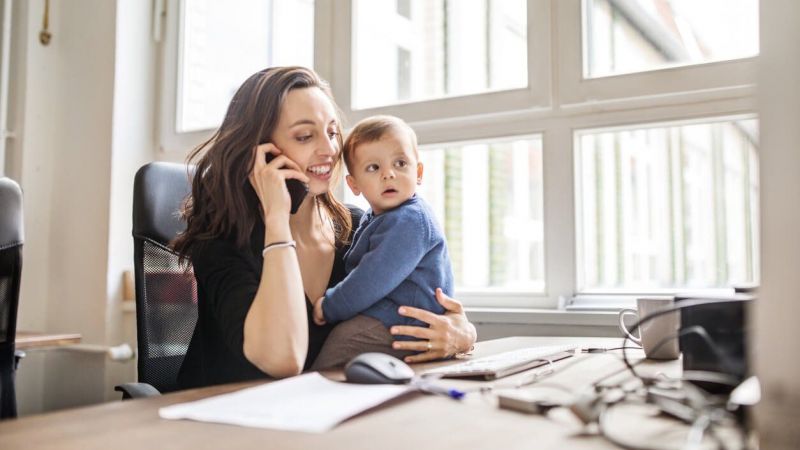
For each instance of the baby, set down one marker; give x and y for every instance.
(398, 255)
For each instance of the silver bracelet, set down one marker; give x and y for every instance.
(275, 245)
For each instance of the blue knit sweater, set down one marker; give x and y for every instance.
(396, 258)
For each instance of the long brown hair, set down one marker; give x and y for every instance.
(223, 203)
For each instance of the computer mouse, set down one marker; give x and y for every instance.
(377, 368)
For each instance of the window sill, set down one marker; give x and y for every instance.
(521, 316)
(530, 316)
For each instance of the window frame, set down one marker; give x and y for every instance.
(535, 94)
(173, 145)
(716, 79)
(610, 293)
(558, 103)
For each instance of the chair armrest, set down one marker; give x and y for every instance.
(136, 390)
(18, 354)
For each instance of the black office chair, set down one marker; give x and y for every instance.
(166, 293)
(11, 237)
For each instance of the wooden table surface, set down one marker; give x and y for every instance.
(415, 421)
(26, 340)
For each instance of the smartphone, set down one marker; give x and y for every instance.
(297, 189)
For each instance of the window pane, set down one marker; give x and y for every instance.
(225, 42)
(416, 50)
(622, 36)
(488, 198)
(668, 207)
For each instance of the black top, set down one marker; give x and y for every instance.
(227, 281)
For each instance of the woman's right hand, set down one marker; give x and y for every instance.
(269, 180)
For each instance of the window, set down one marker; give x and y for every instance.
(456, 47)
(225, 42)
(623, 36)
(664, 207)
(574, 149)
(404, 8)
(403, 73)
(487, 197)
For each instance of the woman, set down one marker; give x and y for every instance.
(256, 264)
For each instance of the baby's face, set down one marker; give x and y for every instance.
(385, 171)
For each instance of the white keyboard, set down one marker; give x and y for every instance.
(504, 364)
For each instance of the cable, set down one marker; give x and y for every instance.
(604, 350)
(691, 330)
(702, 412)
(704, 423)
(695, 436)
(530, 379)
(602, 425)
(538, 377)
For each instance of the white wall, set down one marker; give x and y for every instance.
(778, 310)
(86, 103)
(64, 173)
(33, 298)
(133, 145)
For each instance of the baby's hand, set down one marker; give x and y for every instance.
(319, 317)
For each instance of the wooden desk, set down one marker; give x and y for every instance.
(415, 421)
(26, 340)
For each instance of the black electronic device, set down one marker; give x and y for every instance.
(377, 368)
(297, 189)
(719, 340)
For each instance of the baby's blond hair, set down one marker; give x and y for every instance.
(373, 129)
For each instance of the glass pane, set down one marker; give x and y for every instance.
(622, 36)
(416, 50)
(668, 207)
(225, 42)
(488, 197)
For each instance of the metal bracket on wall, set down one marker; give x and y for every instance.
(45, 36)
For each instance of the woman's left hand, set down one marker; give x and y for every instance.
(448, 333)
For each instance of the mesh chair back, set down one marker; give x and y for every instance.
(11, 237)
(166, 293)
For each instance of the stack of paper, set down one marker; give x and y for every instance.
(309, 403)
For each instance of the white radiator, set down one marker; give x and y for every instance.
(122, 352)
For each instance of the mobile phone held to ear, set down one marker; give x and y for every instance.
(297, 189)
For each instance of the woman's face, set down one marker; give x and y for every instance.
(307, 132)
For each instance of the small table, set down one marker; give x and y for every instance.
(27, 340)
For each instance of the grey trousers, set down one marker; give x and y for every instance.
(352, 337)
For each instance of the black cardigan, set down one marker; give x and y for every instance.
(227, 281)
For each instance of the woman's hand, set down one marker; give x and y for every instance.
(269, 180)
(448, 334)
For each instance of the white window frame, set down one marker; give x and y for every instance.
(172, 144)
(679, 84)
(536, 93)
(611, 295)
(558, 102)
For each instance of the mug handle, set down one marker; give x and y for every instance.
(624, 329)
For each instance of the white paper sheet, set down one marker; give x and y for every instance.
(309, 403)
